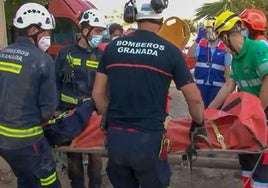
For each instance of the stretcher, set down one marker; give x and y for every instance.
(234, 129)
(176, 31)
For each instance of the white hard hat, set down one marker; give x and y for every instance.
(145, 11)
(33, 13)
(94, 18)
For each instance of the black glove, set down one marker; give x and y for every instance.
(67, 73)
(198, 129)
(103, 124)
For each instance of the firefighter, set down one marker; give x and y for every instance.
(213, 62)
(27, 73)
(249, 72)
(138, 69)
(76, 67)
(254, 24)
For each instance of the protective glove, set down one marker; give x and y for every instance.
(197, 130)
(201, 33)
(103, 124)
(67, 73)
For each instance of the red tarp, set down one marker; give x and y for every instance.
(241, 122)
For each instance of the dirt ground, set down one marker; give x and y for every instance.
(199, 178)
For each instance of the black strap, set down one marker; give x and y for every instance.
(225, 21)
(231, 105)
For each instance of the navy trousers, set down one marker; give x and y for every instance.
(134, 160)
(76, 170)
(34, 165)
(208, 93)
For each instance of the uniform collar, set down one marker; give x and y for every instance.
(24, 40)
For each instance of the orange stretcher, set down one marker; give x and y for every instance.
(238, 127)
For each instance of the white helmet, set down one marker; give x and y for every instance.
(145, 11)
(94, 18)
(33, 13)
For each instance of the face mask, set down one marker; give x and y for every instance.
(211, 37)
(245, 33)
(95, 41)
(44, 43)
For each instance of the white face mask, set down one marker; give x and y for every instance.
(44, 43)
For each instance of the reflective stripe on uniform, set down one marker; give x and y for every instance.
(73, 61)
(48, 180)
(249, 83)
(69, 99)
(21, 133)
(207, 65)
(52, 121)
(198, 81)
(10, 67)
(203, 65)
(218, 67)
(76, 62)
(72, 100)
(218, 84)
(263, 67)
(214, 83)
(92, 64)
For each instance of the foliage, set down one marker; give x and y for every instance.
(191, 24)
(215, 8)
(237, 6)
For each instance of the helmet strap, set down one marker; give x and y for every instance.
(229, 44)
(87, 35)
(34, 36)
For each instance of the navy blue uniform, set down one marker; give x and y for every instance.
(82, 66)
(75, 71)
(140, 68)
(28, 97)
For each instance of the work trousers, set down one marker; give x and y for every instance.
(34, 165)
(248, 163)
(134, 159)
(76, 170)
(208, 93)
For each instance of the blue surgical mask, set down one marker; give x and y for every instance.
(95, 41)
(211, 37)
(245, 33)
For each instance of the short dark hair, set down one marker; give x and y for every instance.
(115, 26)
(23, 32)
(155, 21)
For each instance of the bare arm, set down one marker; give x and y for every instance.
(191, 51)
(264, 90)
(100, 92)
(227, 88)
(194, 100)
(227, 71)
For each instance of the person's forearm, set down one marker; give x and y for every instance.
(194, 100)
(221, 96)
(101, 103)
(264, 92)
(191, 51)
(196, 110)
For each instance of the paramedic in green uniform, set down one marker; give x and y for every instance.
(249, 72)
